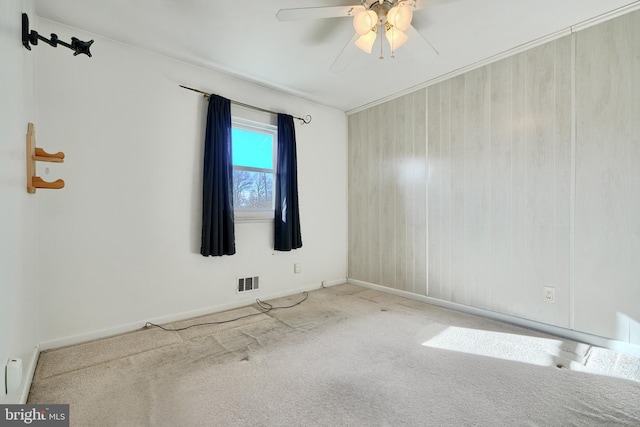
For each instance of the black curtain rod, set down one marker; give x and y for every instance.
(305, 121)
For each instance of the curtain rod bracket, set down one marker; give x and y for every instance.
(304, 121)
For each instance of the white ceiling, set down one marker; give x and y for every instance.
(244, 38)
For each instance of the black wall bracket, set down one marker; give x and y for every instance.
(32, 37)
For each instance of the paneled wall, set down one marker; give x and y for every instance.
(533, 180)
(607, 242)
(387, 194)
(499, 141)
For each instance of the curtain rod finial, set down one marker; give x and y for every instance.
(306, 120)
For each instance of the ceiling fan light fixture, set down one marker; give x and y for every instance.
(366, 41)
(364, 21)
(400, 16)
(396, 38)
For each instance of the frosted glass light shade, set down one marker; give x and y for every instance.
(364, 21)
(396, 38)
(400, 16)
(366, 41)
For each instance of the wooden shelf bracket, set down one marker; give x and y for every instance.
(34, 155)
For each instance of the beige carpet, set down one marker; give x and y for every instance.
(347, 356)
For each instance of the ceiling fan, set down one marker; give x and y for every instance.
(370, 18)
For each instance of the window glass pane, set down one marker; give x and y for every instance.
(252, 149)
(252, 190)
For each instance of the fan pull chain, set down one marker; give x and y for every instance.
(393, 51)
(381, 57)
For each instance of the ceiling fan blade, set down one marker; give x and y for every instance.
(344, 58)
(423, 4)
(302, 13)
(421, 49)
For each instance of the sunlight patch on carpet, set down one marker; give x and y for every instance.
(518, 348)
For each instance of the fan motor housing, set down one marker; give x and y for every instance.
(381, 8)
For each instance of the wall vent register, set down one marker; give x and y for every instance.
(246, 284)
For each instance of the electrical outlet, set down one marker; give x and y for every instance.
(549, 294)
(297, 268)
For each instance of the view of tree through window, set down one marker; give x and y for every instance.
(252, 190)
(253, 166)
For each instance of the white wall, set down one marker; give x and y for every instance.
(18, 226)
(119, 245)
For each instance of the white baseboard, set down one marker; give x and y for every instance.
(327, 283)
(573, 335)
(130, 327)
(28, 379)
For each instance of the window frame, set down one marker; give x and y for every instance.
(257, 215)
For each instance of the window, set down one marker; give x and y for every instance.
(254, 163)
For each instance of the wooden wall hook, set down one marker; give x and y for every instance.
(38, 154)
